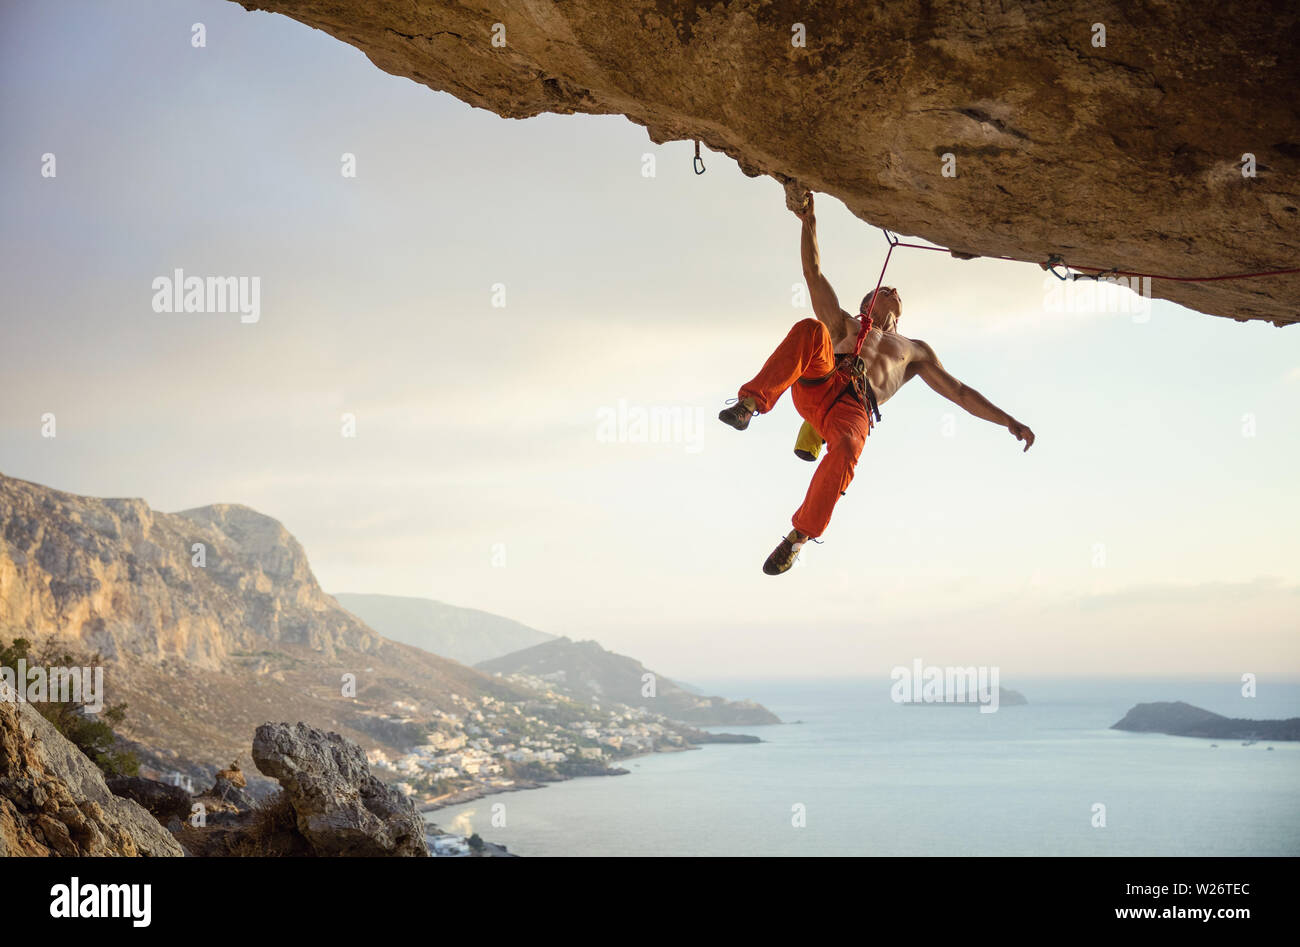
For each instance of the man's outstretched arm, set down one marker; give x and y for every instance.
(966, 397)
(825, 303)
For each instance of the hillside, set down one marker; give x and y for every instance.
(462, 634)
(586, 671)
(205, 650)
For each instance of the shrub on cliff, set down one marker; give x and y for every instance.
(92, 734)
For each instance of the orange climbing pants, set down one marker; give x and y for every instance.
(808, 352)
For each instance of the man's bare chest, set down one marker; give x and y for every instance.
(886, 359)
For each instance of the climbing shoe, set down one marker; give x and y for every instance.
(738, 414)
(784, 555)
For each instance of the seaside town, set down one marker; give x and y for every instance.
(490, 745)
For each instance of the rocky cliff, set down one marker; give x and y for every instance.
(339, 807)
(54, 801)
(1118, 150)
(133, 583)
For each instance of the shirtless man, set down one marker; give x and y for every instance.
(839, 395)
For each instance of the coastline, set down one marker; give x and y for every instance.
(471, 793)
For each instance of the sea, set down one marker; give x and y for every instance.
(851, 772)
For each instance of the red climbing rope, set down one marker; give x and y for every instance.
(1053, 261)
(866, 316)
(1180, 279)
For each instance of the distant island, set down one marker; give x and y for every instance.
(1183, 720)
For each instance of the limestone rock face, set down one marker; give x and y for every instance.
(123, 579)
(341, 808)
(54, 801)
(1126, 155)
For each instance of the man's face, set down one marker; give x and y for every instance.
(887, 308)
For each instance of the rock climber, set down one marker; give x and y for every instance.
(842, 368)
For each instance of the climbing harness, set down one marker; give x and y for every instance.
(852, 366)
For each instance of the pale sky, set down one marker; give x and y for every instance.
(1152, 528)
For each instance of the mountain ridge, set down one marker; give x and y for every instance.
(589, 672)
(468, 635)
